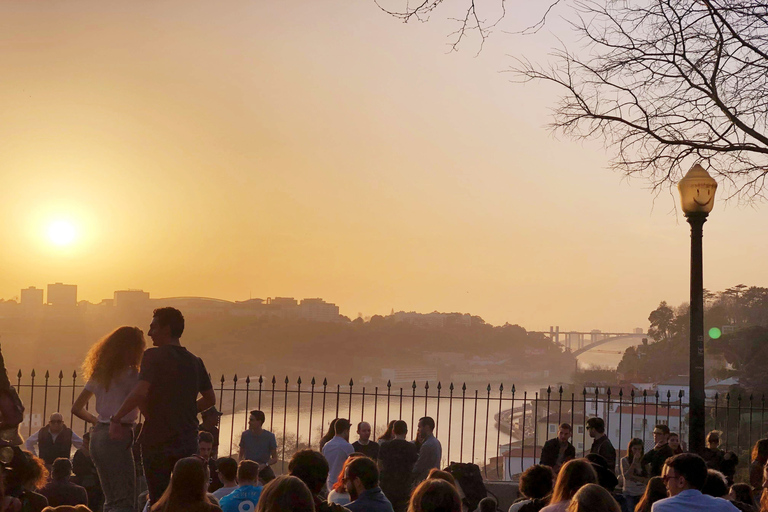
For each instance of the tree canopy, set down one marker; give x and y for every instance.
(663, 83)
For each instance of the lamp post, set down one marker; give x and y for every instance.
(697, 197)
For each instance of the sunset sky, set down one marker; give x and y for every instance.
(324, 149)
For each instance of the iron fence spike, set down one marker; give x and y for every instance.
(33, 373)
(298, 381)
(414, 385)
(274, 380)
(351, 383)
(47, 374)
(234, 379)
(286, 380)
(61, 374)
(222, 378)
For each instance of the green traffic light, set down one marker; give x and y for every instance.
(715, 333)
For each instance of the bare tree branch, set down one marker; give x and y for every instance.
(663, 83)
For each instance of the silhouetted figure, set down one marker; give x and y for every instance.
(601, 444)
(396, 460)
(210, 424)
(170, 380)
(204, 451)
(712, 454)
(434, 495)
(186, 490)
(60, 491)
(312, 468)
(536, 485)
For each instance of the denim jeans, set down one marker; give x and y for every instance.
(114, 463)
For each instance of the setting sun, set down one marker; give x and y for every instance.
(61, 232)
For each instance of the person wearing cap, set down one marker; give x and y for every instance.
(210, 424)
(55, 440)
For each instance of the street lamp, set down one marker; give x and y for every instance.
(697, 197)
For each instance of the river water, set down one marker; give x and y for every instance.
(466, 428)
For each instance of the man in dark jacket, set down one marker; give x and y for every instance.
(54, 440)
(396, 460)
(601, 444)
(654, 459)
(559, 450)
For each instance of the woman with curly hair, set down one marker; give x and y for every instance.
(111, 370)
(25, 475)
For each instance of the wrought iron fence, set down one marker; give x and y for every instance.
(501, 429)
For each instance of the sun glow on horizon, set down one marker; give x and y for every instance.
(62, 233)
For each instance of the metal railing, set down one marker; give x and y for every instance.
(500, 429)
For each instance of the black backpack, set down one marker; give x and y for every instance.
(470, 479)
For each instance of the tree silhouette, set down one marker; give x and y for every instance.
(663, 83)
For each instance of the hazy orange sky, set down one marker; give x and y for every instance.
(305, 148)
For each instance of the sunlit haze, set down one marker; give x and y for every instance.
(324, 149)
(61, 232)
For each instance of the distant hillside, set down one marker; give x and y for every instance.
(270, 345)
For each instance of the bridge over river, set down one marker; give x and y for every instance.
(580, 342)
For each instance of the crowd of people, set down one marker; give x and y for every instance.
(170, 462)
(663, 479)
(175, 457)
